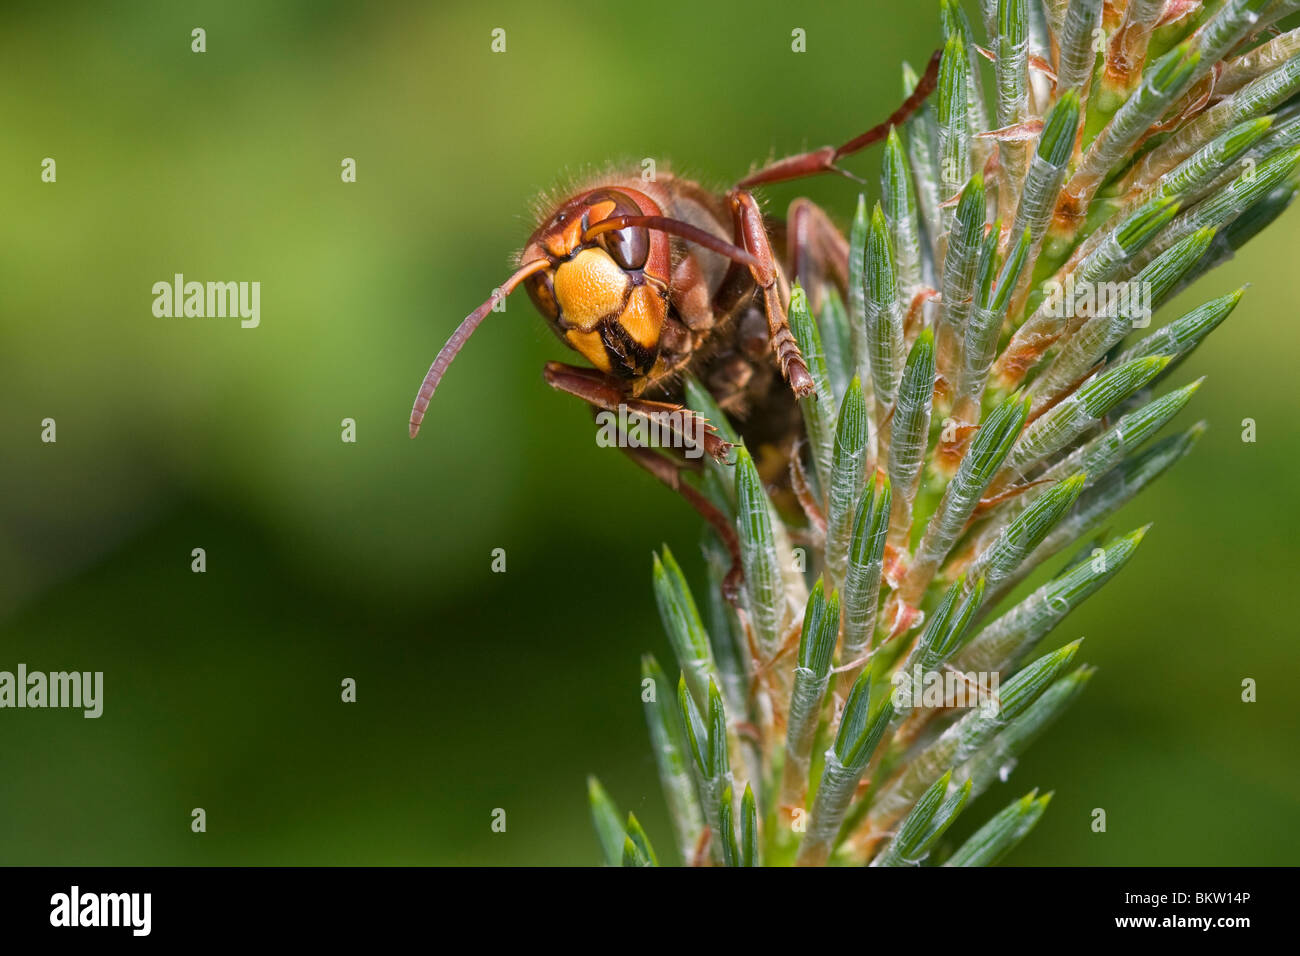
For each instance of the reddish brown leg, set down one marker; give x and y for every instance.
(751, 235)
(823, 160)
(603, 393)
(670, 474)
(596, 394)
(815, 248)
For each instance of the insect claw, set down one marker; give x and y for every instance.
(832, 168)
(801, 381)
(719, 449)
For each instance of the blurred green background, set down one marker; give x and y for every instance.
(372, 560)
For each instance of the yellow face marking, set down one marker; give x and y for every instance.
(590, 287)
(600, 211)
(643, 317)
(561, 243)
(591, 346)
